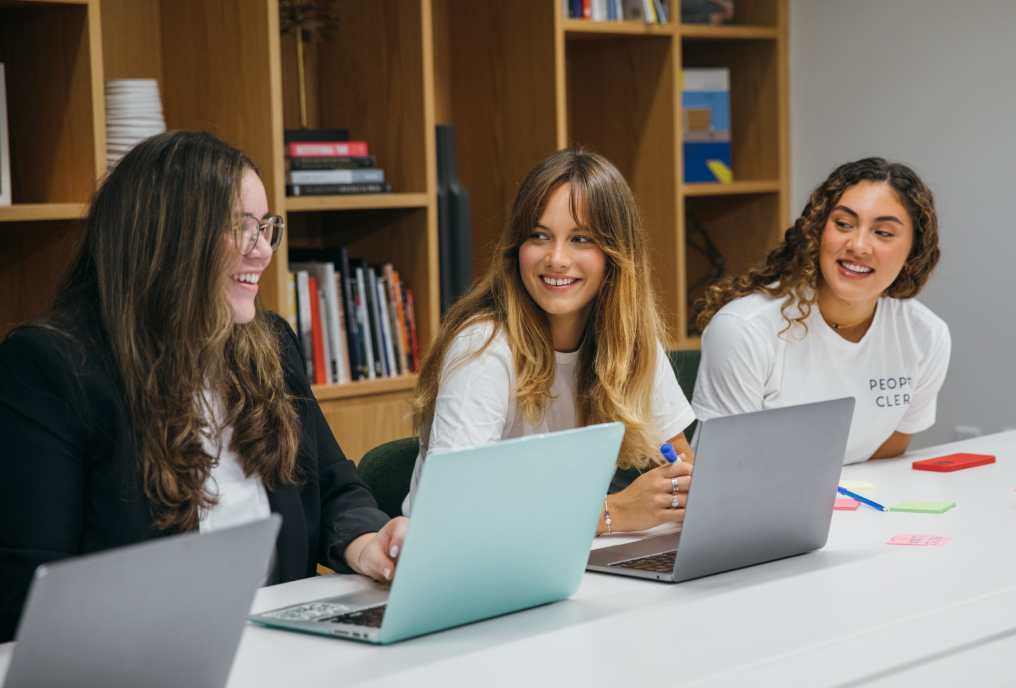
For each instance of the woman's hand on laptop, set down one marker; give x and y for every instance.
(375, 554)
(649, 500)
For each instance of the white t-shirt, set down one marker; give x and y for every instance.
(476, 401)
(894, 372)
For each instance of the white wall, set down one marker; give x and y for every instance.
(931, 83)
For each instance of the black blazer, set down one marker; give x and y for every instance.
(69, 483)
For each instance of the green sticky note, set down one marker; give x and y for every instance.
(915, 507)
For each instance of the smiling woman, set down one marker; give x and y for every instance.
(563, 332)
(830, 314)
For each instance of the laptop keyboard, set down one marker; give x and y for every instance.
(657, 563)
(371, 617)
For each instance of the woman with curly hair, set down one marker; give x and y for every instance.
(157, 396)
(831, 313)
(563, 332)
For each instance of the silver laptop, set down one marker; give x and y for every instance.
(167, 612)
(494, 529)
(763, 488)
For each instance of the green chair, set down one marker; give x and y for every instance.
(387, 470)
(685, 365)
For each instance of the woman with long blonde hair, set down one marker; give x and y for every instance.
(157, 396)
(563, 332)
(831, 313)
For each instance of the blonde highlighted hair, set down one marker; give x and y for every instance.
(617, 364)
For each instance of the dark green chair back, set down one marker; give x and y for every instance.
(387, 470)
(685, 365)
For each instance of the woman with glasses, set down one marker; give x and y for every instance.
(157, 396)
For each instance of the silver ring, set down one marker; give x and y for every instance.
(673, 504)
(673, 482)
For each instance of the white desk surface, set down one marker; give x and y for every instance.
(858, 612)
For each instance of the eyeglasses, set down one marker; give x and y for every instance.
(249, 229)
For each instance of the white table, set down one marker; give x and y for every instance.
(857, 612)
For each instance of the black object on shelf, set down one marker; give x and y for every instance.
(455, 234)
(303, 135)
(697, 239)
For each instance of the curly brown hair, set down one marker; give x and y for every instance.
(792, 268)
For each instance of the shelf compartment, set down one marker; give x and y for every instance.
(53, 73)
(734, 188)
(744, 229)
(357, 202)
(42, 211)
(364, 388)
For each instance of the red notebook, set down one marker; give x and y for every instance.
(953, 462)
(320, 371)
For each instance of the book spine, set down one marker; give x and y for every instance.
(343, 329)
(386, 326)
(365, 162)
(335, 176)
(320, 371)
(352, 341)
(327, 149)
(364, 320)
(303, 303)
(291, 301)
(337, 189)
(380, 365)
(587, 9)
(398, 315)
(326, 340)
(412, 329)
(335, 332)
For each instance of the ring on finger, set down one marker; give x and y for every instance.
(673, 504)
(673, 483)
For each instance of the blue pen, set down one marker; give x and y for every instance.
(668, 453)
(861, 499)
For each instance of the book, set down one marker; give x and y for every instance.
(411, 315)
(334, 176)
(343, 341)
(326, 340)
(337, 189)
(356, 363)
(317, 344)
(386, 327)
(374, 314)
(347, 163)
(333, 335)
(304, 320)
(705, 115)
(291, 300)
(304, 135)
(327, 149)
(363, 323)
(398, 315)
(5, 148)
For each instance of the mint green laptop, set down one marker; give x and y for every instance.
(494, 529)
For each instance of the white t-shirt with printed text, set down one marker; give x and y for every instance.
(894, 373)
(476, 402)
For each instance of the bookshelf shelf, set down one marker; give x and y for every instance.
(365, 388)
(735, 188)
(579, 27)
(358, 202)
(42, 211)
(697, 32)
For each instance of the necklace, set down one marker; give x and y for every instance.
(838, 326)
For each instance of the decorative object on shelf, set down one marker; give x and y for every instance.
(705, 114)
(5, 149)
(454, 225)
(133, 113)
(697, 239)
(308, 21)
(715, 12)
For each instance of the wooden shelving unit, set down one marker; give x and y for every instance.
(519, 81)
(516, 79)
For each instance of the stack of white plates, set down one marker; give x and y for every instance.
(133, 113)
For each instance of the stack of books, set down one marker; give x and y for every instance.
(326, 168)
(355, 321)
(651, 11)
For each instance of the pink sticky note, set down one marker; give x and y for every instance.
(920, 540)
(846, 505)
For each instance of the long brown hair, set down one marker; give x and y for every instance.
(792, 269)
(151, 269)
(617, 363)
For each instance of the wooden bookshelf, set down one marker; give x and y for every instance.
(520, 80)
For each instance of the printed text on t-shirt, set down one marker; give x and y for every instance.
(891, 384)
